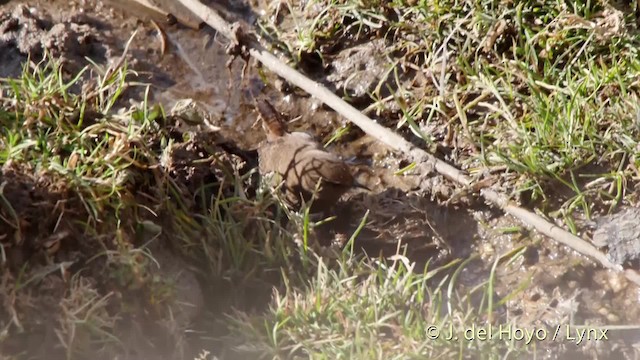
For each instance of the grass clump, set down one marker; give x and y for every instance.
(69, 209)
(368, 309)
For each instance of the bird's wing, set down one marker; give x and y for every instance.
(328, 167)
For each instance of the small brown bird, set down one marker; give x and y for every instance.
(307, 172)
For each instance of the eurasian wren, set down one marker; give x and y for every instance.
(307, 172)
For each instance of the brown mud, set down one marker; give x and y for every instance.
(564, 288)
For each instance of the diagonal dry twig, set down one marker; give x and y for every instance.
(424, 160)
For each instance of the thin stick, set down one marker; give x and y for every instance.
(426, 161)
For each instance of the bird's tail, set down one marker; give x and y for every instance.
(271, 119)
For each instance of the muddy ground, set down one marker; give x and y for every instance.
(564, 287)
